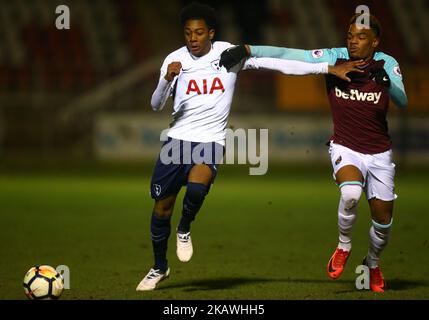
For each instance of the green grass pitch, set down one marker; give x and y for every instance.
(256, 237)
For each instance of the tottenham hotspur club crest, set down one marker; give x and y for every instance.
(215, 65)
(157, 189)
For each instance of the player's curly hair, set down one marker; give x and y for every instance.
(196, 11)
(374, 24)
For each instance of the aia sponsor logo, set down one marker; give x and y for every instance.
(204, 86)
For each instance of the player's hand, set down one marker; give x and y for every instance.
(343, 69)
(173, 70)
(233, 56)
(381, 77)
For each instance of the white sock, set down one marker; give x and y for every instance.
(347, 213)
(346, 219)
(378, 238)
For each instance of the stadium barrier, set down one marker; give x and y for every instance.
(291, 138)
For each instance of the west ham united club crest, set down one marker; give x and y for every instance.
(215, 65)
(337, 162)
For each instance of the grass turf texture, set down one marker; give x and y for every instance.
(256, 237)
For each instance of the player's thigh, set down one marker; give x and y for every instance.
(381, 177)
(381, 211)
(164, 207)
(348, 173)
(381, 187)
(167, 180)
(200, 173)
(347, 164)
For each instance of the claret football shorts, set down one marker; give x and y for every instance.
(378, 170)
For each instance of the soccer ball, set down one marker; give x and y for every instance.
(43, 283)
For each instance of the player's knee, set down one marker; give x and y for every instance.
(384, 221)
(163, 210)
(350, 194)
(196, 192)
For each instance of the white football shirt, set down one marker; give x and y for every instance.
(203, 91)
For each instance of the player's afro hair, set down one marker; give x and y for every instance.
(374, 24)
(197, 11)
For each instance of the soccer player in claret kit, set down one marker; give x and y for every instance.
(202, 92)
(360, 148)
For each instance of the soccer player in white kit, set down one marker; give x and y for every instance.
(202, 93)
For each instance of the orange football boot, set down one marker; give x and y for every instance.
(376, 279)
(337, 263)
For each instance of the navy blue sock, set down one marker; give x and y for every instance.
(160, 231)
(194, 198)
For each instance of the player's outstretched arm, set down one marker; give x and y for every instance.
(294, 67)
(233, 56)
(312, 56)
(287, 67)
(286, 64)
(165, 85)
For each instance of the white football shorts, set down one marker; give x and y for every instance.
(378, 170)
